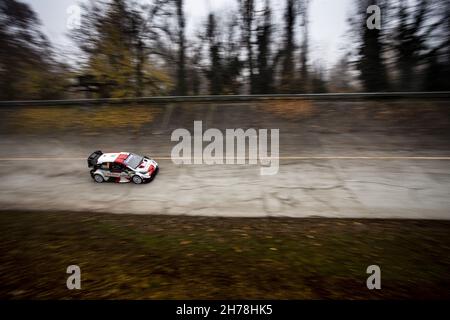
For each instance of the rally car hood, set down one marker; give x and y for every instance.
(147, 165)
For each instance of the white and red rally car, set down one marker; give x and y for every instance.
(121, 167)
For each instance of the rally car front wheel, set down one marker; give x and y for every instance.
(136, 179)
(98, 178)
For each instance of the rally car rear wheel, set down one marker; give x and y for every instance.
(136, 179)
(98, 178)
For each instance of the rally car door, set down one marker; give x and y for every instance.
(115, 171)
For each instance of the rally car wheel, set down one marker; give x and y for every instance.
(137, 179)
(98, 178)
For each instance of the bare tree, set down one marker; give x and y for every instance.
(304, 5)
(247, 10)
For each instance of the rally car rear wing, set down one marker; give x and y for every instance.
(92, 160)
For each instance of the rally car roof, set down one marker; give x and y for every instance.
(113, 157)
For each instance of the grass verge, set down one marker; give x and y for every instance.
(180, 257)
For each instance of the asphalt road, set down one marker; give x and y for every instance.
(354, 159)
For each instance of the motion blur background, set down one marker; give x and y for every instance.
(119, 48)
(363, 179)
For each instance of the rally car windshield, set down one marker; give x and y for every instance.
(133, 160)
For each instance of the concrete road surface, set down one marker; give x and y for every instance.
(343, 159)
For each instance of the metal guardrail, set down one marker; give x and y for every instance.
(233, 98)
